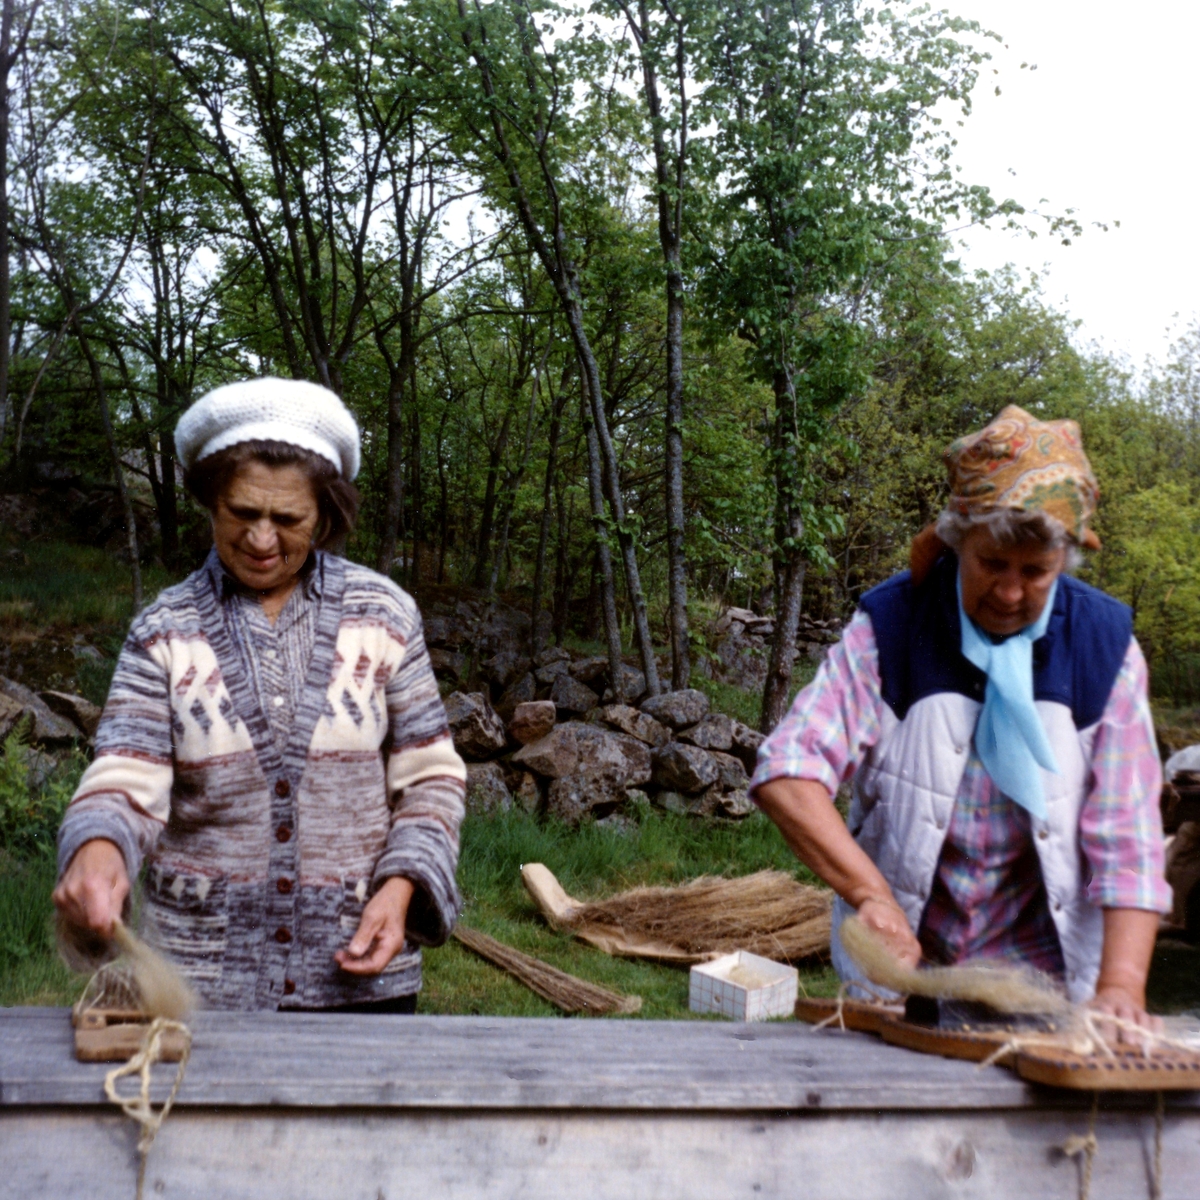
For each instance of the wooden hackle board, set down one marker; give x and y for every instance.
(1127, 1069)
(115, 1035)
(859, 1015)
(1037, 1057)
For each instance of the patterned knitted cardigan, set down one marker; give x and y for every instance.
(258, 863)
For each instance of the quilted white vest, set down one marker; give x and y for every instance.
(904, 792)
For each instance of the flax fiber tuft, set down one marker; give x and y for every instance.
(1006, 989)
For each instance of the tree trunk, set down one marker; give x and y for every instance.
(608, 600)
(610, 478)
(443, 497)
(394, 479)
(118, 473)
(681, 659)
(539, 573)
(670, 177)
(790, 563)
(488, 516)
(563, 576)
(549, 241)
(6, 21)
(783, 644)
(168, 517)
(415, 507)
(513, 483)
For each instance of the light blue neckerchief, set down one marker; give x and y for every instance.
(1009, 737)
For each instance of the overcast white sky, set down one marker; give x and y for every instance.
(1106, 125)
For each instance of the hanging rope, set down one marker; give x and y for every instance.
(138, 1106)
(1073, 1147)
(1159, 1112)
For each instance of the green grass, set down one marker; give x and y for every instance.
(590, 862)
(30, 970)
(747, 706)
(63, 584)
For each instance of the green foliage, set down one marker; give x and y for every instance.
(35, 790)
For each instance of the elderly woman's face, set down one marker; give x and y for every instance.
(1005, 587)
(263, 524)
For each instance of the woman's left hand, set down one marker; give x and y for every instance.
(380, 934)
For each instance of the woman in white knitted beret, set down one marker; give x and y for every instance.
(273, 759)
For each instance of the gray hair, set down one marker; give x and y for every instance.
(1011, 527)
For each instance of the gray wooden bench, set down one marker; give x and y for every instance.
(437, 1108)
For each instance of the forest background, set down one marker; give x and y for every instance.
(644, 308)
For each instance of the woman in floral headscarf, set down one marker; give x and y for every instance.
(993, 713)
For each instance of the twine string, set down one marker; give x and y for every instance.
(1086, 1146)
(138, 1106)
(1159, 1112)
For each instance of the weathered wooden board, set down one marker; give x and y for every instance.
(474, 1062)
(251, 1154)
(299, 1106)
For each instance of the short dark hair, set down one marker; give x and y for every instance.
(337, 499)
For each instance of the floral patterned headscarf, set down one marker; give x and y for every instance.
(1020, 462)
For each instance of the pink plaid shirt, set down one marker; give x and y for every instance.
(988, 899)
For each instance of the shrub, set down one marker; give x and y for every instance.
(35, 790)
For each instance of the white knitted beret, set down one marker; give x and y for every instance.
(270, 410)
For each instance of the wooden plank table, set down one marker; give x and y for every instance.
(382, 1107)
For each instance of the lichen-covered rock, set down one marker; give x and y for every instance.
(571, 696)
(475, 726)
(637, 724)
(746, 742)
(741, 659)
(617, 756)
(576, 796)
(633, 684)
(527, 793)
(520, 692)
(731, 773)
(83, 714)
(11, 712)
(550, 672)
(677, 709)
(505, 667)
(588, 670)
(531, 720)
(552, 756)
(41, 725)
(683, 768)
(712, 732)
(551, 654)
(448, 664)
(487, 791)
(673, 802)
(715, 802)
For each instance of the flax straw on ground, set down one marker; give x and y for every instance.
(767, 913)
(568, 992)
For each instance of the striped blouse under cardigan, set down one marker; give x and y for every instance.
(261, 845)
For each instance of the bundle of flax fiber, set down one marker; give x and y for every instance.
(567, 992)
(767, 913)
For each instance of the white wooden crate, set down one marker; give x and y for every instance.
(743, 987)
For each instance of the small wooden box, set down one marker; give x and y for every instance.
(743, 987)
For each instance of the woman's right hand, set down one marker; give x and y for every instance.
(91, 894)
(886, 918)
